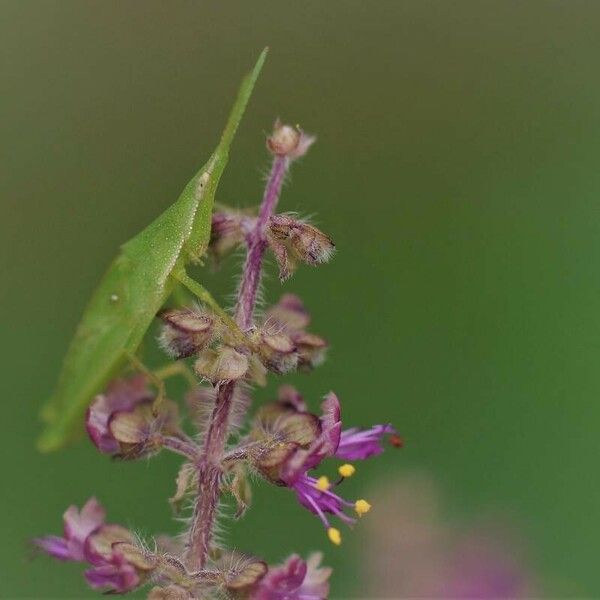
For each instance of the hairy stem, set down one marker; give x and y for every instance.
(209, 479)
(257, 245)
(180, 446)
(209, 464)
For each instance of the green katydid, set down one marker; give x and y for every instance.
(136, 286)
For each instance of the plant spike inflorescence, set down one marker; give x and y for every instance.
(285, 442)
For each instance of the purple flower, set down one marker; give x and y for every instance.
(126, 423)
(78, 525)
(296, 579)
(115, 574)
(123, 395)
(316, 494)
(357, 444)
(115, 563)
(287, 442)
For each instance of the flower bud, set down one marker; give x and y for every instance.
(277, 352)
(285, 259)
(139, 432)
(121, 395)
(289, 141)
(288, 314)
(288, 422)
(269, 458)
(242, 573)
(281, 428)
(124, 422)
(227, 232)
(311, 245)
(292, 240)
(186, 332)
(99, 544)
(290, 317)
(131, 428)
(222, 364)
(311, 349)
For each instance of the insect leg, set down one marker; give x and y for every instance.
(205, 296)
(151, 375)
(177, 368)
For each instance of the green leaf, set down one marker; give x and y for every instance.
(135, 287)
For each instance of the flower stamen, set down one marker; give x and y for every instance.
(322, 484)
(334, 535)
(346, 470)
(362, 507)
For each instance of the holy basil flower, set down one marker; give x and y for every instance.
(116, 564)
(127, 423)
(287, 442)
(296, 579)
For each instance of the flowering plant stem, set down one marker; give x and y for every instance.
(209, 463)
(284, 444)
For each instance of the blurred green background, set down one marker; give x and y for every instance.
(457, 171)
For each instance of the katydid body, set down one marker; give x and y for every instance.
(136, 286)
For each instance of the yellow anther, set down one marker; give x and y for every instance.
(334, 536)
(322, 484)
(362, 507)
(347, 470)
